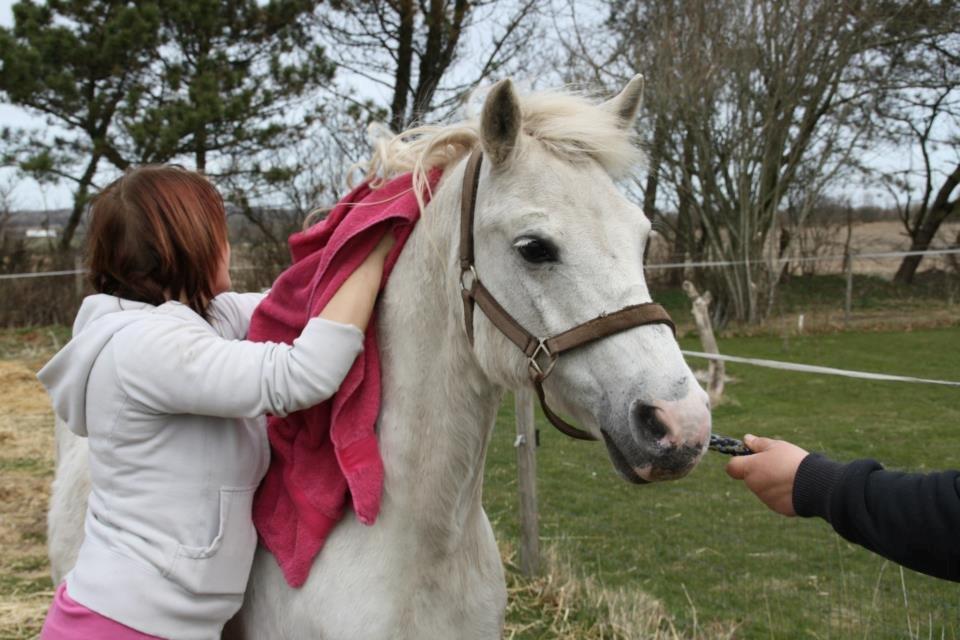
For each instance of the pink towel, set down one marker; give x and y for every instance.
(325, 453)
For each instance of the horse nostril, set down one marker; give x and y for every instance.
(645, 422)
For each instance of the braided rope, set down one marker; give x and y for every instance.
(728, 446)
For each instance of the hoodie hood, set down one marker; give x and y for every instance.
(100, 317)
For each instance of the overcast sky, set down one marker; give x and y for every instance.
(29, 195)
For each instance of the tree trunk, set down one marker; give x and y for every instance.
(431, 65)
(786, 237)
(653, 172)
(79, 203)
(926, 231)
(200, 150)
(685, 233)
(908, 268)
(401, 88)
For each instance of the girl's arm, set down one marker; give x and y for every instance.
(168, 366)
(353, 302)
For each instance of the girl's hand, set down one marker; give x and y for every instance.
(769, 472)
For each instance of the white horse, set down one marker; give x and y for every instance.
(557, 244)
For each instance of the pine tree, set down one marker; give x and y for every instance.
(228, 82)
(218, 85)
(74, 62)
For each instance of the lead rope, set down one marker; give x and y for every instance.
(728, 446)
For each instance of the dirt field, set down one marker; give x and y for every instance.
(877, 237)
(868, 237)
(26, 464)
(890, 236)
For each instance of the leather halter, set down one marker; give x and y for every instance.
(472, 291)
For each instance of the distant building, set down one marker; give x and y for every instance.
(41, 232)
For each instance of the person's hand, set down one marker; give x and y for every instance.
(769, 472)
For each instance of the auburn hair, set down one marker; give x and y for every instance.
(157, 233)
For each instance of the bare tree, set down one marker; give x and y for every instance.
(744, 99)
(427, 56)
(812, 230)
(922, 110)
(414, 50)
(311, 173)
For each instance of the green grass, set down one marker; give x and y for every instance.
(27, 465)
(713, 553)
(870, 292)
(11, 585)
(26, 343)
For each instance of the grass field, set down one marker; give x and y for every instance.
(709, 551)
(699, 557)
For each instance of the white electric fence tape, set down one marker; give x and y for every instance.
(663, 265)
(810, 368)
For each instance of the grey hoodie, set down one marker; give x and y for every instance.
(173, 407)
(65, 376)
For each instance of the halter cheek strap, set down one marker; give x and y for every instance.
(542, 353)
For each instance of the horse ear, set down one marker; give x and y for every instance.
(500, 122)
(627, 103)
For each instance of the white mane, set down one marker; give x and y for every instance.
(567, 124)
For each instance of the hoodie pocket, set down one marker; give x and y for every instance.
(224, 566)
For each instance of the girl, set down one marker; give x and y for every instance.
(171, 397)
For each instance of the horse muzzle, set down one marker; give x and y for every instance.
(662, 440)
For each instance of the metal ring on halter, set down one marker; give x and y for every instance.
(472, 270)
(536, 372)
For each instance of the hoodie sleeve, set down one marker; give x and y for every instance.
(175, 367)
(230, 313)
(910, 518)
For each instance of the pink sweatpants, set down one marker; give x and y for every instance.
(70, 620)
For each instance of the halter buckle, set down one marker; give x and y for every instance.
(536, 371)
(472, 271)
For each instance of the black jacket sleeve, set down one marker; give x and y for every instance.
(910, 518)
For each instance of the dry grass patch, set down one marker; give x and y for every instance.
(26, 469)
(559, 605)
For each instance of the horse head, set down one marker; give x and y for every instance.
(557, 244)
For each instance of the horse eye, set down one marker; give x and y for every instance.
(536, 250)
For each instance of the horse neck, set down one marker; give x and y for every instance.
(438, 407)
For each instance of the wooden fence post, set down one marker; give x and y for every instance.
(848, 268)
(526, 445)
(848, 300)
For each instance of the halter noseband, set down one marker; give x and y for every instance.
(472, 291)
